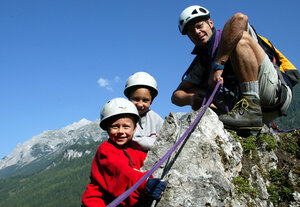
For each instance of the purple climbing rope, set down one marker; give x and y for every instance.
(122, 197)
(280, 131)
(276, 130)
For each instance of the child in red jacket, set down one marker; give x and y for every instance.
(116, 165)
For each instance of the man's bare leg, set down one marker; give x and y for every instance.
(246, 58)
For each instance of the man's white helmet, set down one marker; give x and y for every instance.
(117, 106)
(141, 79)
(190, 13)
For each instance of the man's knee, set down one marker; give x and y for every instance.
(240, 17)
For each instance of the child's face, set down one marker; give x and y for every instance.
(142, 99)
(121, 131)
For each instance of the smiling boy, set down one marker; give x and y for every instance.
(116, 165)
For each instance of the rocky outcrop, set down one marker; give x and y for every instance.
(214, 167)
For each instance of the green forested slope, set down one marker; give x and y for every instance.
(61, 185)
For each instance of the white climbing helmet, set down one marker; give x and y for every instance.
(141, 79)
(190, 13)
(115, 107)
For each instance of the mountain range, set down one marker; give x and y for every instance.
(42, 149)
(50, 169)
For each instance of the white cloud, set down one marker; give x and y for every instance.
(103, 82)
(107, 84)
(117, 79)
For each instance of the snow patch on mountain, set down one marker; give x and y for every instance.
(72, 154)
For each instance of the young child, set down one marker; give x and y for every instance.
(116, 165)
(141, 89)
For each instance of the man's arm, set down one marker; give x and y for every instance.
(231, 35)
(187, 94)
(182, 96)
(246, 55)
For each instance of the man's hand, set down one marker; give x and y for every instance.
(214, 77)
(196, 101)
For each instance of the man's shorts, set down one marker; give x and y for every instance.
(269, 87)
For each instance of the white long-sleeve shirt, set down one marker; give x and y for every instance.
(147, 131)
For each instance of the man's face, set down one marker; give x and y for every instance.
(200, 32)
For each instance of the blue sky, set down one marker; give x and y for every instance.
(61, 60)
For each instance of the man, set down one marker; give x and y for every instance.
(234, 57)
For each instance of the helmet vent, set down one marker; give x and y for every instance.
(203, 10)
(194, 11)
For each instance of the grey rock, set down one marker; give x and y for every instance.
(206, 162)
(202, 169)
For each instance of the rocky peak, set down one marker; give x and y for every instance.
(214, 167)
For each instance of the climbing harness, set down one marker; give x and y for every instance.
(122, 197)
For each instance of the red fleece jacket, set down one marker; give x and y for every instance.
(113, 172)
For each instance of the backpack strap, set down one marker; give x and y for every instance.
(216, 38)
(280, 74)
(196, 59)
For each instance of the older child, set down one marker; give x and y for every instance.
(141, 89)
(116, 165)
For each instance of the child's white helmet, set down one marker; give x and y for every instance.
(117, 106)
(190, 13)
(141, 79)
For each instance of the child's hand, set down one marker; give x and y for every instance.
(155, 187)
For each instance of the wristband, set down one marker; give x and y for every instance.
(216, 66)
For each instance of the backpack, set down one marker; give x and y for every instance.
(287, 73)
(290, 75)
